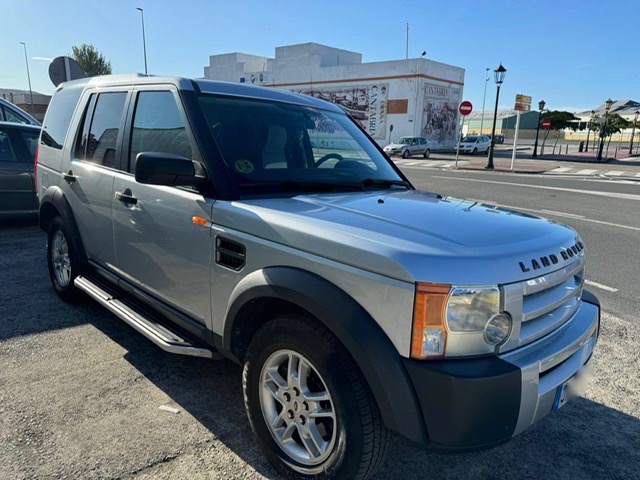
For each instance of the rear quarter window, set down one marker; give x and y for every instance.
(59, 114)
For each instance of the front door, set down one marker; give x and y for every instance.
(163, 234)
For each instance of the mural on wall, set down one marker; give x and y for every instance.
(366, 103)
(440, 115)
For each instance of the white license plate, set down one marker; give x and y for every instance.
(572, 388)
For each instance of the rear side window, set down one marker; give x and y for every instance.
(6, 150)
(100, 143)
(14, 117)
(59, 113)
(158, 127)
(423, 141)
(31, 141)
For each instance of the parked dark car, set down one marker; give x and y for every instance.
(18, 144)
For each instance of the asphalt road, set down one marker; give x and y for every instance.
(80, 391)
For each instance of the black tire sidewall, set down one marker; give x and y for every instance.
(475, 151)
(68, 293)
(406, 154)
(344, 461)
(427, 153)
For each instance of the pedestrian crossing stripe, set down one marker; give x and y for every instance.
(614, 173)
(586, 172)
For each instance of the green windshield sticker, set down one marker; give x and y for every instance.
(244, 166)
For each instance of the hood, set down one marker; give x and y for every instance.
(396, 145)
(410, 235)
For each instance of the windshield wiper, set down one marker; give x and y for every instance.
(380, 182)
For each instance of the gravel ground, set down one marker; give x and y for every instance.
(80, 393)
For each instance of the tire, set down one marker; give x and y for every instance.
(487, 151)
(62, 262)
(351, 435)
(427, 153)
(475, 151)
(406, 154)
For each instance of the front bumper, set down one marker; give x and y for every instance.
(478, 403)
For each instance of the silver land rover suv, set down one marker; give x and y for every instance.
(222, 219)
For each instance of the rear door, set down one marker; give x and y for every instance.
(16, 181)
(163, 234)
(88, 177)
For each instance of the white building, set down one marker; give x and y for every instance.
(390, 99)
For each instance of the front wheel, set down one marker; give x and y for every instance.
(475, 150)
(427, 153)
(308, 405)
(405, 154)
(62, 261)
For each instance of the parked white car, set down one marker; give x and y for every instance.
(475, 143)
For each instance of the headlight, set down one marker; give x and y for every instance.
(470, 308)
(457, 321)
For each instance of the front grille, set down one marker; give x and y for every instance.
(544, 304)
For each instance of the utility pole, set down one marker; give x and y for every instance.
(144, 41)
(406, 55)
(26, 61)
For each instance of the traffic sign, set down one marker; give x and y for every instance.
(523, 103)
(465, 108)
(546, 123)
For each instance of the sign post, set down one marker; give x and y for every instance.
(523, 104)
(546, 124)
(465, 109)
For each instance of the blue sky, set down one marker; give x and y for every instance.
(572, 54)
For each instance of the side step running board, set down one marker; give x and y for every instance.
(166, 339)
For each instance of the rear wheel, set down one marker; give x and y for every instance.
(406, 154)
(308, 405)
(427, 153)
(62, 262)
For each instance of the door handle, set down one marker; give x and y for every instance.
(69, 177)
(126, 197)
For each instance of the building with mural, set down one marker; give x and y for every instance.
(417, 97)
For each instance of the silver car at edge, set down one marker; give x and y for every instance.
(406, 147)
(222, 219)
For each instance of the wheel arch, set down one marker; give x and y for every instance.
(273, 290)
(54, 203)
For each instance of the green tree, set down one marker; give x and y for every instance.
(91, 60)
(560, 120)
(615, 124)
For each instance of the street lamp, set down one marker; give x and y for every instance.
(591, 117)
(499, 74)
(633, 132)
(28, 75)
(144, 41)
(484, 97)
(541, 105)
(607, 106)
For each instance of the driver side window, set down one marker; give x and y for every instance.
(158, 127)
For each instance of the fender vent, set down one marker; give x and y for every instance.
(230, 254)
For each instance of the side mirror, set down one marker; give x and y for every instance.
(155, 168)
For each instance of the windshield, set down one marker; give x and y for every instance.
(403, 140)
(273, 145)
(470, 139)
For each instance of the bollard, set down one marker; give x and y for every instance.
(566, 150)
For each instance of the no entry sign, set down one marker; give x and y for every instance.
(546, 123)
(465, 108)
